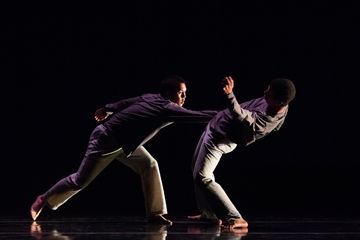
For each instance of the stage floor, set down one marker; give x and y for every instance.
(130, 227)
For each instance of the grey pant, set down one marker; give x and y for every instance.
(102, 149)
(211, 199)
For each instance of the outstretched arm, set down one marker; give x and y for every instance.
(103, 113)
(181, 115)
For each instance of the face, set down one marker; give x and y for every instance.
(179, 96)
(269, 97)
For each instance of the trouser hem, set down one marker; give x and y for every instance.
(157, 213)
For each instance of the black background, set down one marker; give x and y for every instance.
(63, 60)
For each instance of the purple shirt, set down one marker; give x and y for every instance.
(137, 120)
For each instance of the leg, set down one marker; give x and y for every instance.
(101, 151)
(204, 207)
(147, 167)
(212, 199)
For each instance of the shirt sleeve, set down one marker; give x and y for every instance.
(182, 115)
(118, 106)
(249, 119)
(246, 117)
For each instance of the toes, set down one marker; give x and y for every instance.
(158, 219)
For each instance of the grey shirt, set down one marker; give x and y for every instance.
(137, 120)
(244, 123)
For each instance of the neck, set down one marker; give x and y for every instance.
(277, 110)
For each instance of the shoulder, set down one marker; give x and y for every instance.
(254, 103)
(255, 106)
(151, 96)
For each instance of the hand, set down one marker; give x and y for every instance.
(99, 115)
(228, 85)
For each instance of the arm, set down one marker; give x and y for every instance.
(257, 122)
(181, 115)
(232, 104)
(103, 113)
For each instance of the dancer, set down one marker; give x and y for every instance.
(236, 125)
(133, 122)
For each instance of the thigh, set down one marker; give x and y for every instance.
(139, 159)
(197, 150)
(101, 151)
(209, 152)
(207, 158)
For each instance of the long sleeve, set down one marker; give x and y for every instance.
(181, 115)
(244, 116)
(250, 120)
(145, 117)
(120, 105)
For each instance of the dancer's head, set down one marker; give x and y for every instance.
(280, 92)
(174, 88)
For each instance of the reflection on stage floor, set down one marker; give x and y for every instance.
(130, 227)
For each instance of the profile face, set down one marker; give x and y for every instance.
(269, 97)
(179, 96)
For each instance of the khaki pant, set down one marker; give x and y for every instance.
(102, 150)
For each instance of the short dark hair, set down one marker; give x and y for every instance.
(171, 83)
(283, 89)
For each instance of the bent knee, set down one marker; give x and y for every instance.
(200, 180)
(150, 165)
(153, 163)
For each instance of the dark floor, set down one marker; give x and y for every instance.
(60, 227)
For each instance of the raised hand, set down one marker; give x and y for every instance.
(228, 85)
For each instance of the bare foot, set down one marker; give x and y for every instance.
(158, 219)
(240, 223)
(199, 218)
(37, 206)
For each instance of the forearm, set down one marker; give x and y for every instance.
(233, 105)
(118, 106)
(245, 116)
(179, 114)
